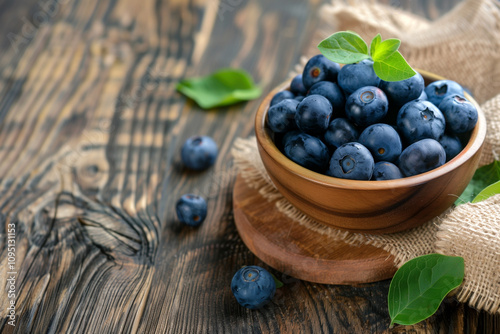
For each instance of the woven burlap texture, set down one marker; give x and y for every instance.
(464, 46)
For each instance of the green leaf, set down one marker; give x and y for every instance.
(222, 88)
(420, 285)
(483, 177)
(393, 68)
(375, 43)
(491, 190)
(278, 283)
(385, 49)
(344, 47)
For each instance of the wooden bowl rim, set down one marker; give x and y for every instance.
(475, 143)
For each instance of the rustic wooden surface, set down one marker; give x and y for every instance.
(90, 129)
(303, 253)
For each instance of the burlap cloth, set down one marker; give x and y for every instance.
(463, 45)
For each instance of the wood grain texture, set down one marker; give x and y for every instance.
(90, 130)
(300, 252)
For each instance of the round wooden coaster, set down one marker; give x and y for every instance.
(299, 252)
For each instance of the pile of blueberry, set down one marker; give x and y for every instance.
(347, 123)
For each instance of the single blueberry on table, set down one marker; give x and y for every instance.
(199, 152)
(333, 93)
(319, 68)
(354, 76)
(280, 96)
(253, 287)
(436, 91)
(352, 161)
(340, 132)
(313, 114)
(421, 156)
(281, 116)
(385, 170)
(367, 105)
(382, 141)
(460, 114)
(401, 92)
(420, 119)
(297, 86)
(191, 209)
(452, 146)
(306, 150)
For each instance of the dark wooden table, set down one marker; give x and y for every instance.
(90, 131)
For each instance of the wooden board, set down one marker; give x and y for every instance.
(90, 132)
(292, 248)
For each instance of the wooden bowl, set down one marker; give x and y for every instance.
(375, 207)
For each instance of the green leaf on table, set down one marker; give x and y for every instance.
(420, 285)
(483, 177)
(222, 88)
(491, 190)
(393, 68)
(385, 49)
(345, 47)
(374, 44)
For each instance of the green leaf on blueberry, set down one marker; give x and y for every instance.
(420, 285)
(483, 178)
(393, 68)
(222, 88)
(383, 50)
(347, 47)
(375, 43)
(344, 47)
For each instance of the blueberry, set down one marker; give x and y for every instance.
(287, 136)
(367, 105)
(340, 132)
(354, 76)
(460, 114)
(385, 170)
(352, 161)
(299, 98)
(297, 86)
(253, 287)
(281, 116)
(392, 115)
(199, 152)
(423, 96)
(420, 119)
(307, 151)
(319, 68)
(280, 96)
(382, 141)
(421, 156)
(401, 92)
(436, 91)
(191, 209)
(452, 146)
(313, 114)
(332, 92)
